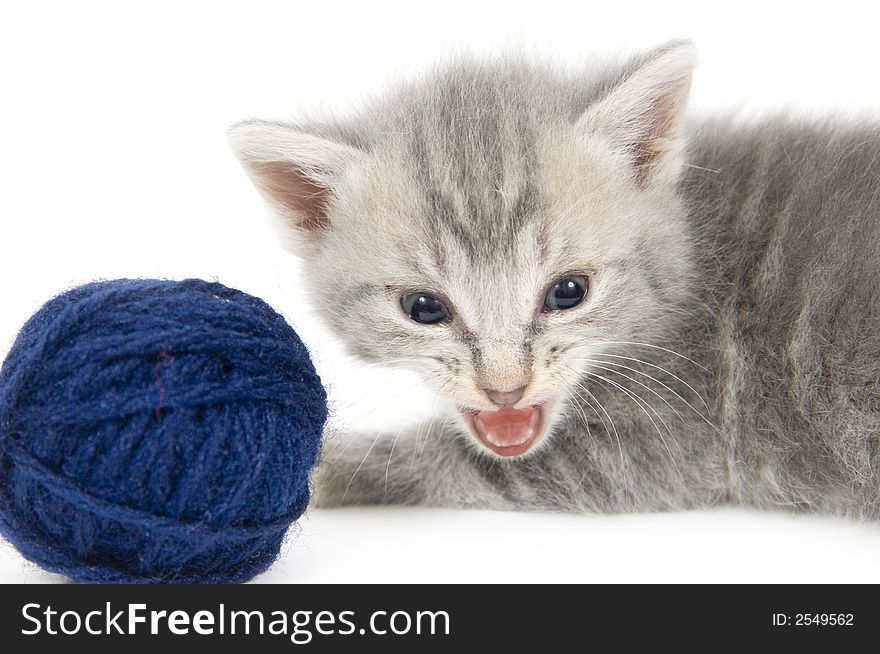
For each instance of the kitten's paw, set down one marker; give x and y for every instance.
(361, 474)
(346, 479)
(329, 487)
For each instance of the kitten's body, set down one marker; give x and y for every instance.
(731, 352)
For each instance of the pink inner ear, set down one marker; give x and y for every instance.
(661, 120)
(290, 187)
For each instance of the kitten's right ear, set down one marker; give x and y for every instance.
(296, 172)
(642, 116)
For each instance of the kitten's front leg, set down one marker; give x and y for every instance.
(442, 468)
(425, 467)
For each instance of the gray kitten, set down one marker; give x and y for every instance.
(624, 311)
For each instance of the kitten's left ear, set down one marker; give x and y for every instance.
(298, 173)
(642, 115)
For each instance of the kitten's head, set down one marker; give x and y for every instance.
(492, 226)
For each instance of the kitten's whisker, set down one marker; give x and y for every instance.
(415, 449)
(595, 363)
(433, 416)
(353, 438)
(708, 170)
(360, 465)
(378, 388)
(338, 450)
(656, 347)
(583, 417)
(637, 400)
(656, 367)
(578, 409)
(391, 454)
(387, 363)
(341, 452)
(425, 442)
(392, 398)
(586, 400)
(607, 415)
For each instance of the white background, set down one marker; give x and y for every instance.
(113, 162)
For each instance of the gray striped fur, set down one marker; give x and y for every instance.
(745, 261)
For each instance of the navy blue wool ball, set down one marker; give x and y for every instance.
(156, 431)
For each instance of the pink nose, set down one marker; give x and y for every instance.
(505, 398)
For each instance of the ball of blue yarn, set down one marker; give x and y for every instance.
(156, 431)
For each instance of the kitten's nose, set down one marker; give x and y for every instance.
(505, 398)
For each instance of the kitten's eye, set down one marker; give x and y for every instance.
(425, 309)
(568, 292)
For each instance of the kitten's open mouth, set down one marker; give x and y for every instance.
(507, 431)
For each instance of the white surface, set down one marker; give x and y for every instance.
(444, 546)
(113, 162)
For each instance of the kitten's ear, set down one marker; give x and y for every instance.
(642, 115)
(295, 171)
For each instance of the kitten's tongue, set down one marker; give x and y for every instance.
(508, 431)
